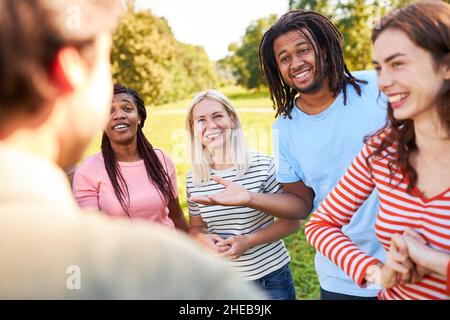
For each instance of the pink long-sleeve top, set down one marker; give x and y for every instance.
(93, 189)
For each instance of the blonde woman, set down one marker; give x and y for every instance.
(233, 197)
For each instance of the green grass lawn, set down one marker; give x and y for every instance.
(165, 129)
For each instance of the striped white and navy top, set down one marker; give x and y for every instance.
(237, 220)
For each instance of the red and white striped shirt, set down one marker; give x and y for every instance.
(398, 210)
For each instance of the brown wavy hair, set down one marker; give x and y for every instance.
(326, 37)
(427, 24)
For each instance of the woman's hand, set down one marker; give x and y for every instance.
(418, 251)
(398, 269)
(233, 195)
(211, 242)
(237, 246)
(198, 229)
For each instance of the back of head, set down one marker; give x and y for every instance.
(32, 32)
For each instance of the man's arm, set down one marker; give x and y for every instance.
(295, 203)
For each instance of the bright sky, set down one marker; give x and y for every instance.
(213, 24)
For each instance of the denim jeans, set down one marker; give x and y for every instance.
(328, 295)
(278, 285)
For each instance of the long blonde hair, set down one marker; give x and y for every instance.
(200, 157)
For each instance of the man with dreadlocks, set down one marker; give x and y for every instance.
(323, 113)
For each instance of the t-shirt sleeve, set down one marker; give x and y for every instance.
(192, 206)
(169, 166)
(286, 172)
(324, 229)
(85, 187)
(371, 77)
(271, 184)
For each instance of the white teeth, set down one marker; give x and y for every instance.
(397, 97)
(302, 75)
(120, 126)
(212, 136)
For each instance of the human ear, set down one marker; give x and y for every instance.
(446, 67)
(447, 73)
(233, 121)
(68, 70)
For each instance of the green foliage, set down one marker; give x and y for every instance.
(302, 265)
(324, 7)
(355, 19)
(147, 57)
(244, 61)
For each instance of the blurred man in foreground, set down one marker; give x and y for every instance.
(55, 92)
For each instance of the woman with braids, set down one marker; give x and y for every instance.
(407, 161)
(324, 112)
(129, 178)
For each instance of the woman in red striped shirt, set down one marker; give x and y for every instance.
(408, 162)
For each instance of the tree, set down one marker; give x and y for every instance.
(147, 57)
(323, 6)
(244, 58)
(197, 67)
(355, 19)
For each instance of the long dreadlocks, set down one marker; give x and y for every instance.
(326, 38)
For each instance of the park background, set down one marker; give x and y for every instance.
(147, 57)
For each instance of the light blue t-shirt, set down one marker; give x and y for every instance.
(318, 149)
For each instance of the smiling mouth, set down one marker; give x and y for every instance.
(121, 126)
(398, 97)
(302, 74)
(212, 137)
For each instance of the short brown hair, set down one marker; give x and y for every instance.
(32, 32)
